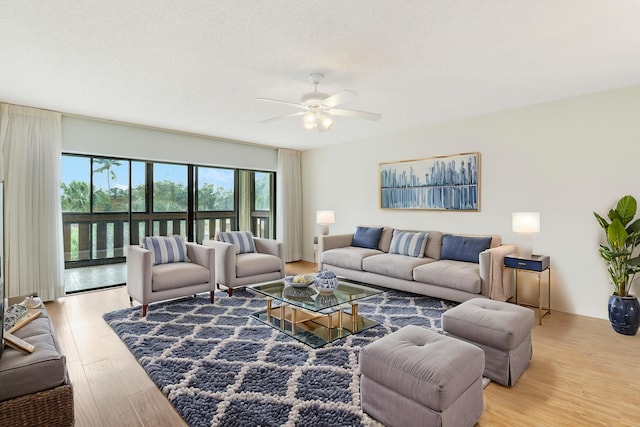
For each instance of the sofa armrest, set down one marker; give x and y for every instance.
(268, 246)
(139, 273)
(271, 247)
(332, 241)
(225, 260)
(204, 256)
(495, 283)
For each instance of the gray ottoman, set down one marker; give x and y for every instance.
(417, 377)
(501, 329)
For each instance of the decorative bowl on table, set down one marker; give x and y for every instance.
(303, 295)
(299, 280)
(326, 281)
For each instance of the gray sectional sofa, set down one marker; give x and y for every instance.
(452, 267)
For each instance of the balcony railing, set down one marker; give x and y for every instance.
(101, 238)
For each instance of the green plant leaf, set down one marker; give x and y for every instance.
(613, 214)
(634, 227)
(626, 208)
(603, 222)
(617, 235)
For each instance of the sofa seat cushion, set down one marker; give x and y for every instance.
(348, 257)
(28, 373)
(394, 265)
(460, 275)
(178, 275)
(252, 264)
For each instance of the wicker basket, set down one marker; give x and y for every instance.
(53, 407)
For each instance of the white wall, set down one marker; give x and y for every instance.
(86, 136)
(564, 159)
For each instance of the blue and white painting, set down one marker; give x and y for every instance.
(438, 183)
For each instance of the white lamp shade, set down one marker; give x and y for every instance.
(325, 123)
(309, 120)
(325, 217)
(525, 222)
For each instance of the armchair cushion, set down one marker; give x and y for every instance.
(166, 249)
(178, 275)
(252, 264)
(241, 240)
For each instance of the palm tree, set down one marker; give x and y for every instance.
(106, 165)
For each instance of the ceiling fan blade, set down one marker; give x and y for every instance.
(299, 113)
(338, 98)
(277, 101)
(354, 114)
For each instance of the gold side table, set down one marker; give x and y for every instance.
(538, 265)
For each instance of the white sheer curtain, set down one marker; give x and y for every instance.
(31, 145)
(289, 204)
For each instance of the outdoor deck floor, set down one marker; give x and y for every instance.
(90, 278)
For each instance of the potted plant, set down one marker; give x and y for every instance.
(623, 236)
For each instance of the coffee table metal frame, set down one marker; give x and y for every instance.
(312, 317)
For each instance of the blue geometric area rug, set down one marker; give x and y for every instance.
(218, 366)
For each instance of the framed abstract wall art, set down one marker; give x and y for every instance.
(437, 183)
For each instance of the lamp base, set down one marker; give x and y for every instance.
(525, 245)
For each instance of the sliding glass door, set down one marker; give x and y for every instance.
(109, 203)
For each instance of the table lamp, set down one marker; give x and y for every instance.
(525, 224)
(324, 218)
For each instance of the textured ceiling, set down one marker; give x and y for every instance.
(197, 66)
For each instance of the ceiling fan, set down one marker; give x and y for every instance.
(318, 107)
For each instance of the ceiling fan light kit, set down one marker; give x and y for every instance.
(319, 107)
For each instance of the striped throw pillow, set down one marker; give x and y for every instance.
(408, 243)
(242, 240)
(166, 249)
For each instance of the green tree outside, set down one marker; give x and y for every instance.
(168, 197)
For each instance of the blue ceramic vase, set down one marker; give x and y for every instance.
(624, 314)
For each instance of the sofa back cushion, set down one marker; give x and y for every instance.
(408, 243)
(367, 237)
(241, 240)
(434, 245)
(385, 239)
(464, 248)
(166, 249)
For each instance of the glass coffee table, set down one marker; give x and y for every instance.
(312, 317)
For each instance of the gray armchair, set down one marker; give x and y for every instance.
(147, 283)
(237, 270)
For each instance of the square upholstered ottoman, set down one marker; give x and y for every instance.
(417, 377)
(501, 329)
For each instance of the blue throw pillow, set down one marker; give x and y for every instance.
(166, 249)
(367, 237)
(242, 240)
(408, 243)
(463, 248)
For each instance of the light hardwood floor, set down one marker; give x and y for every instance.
(582, 372)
